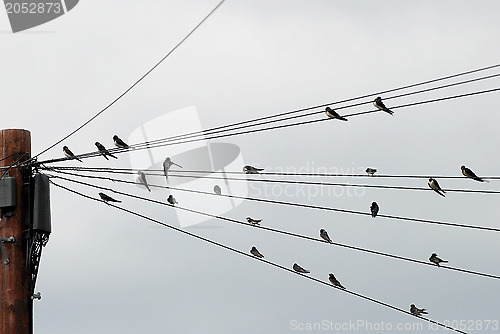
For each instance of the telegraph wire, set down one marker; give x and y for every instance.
(11, 155)
(261, 259)
(6, 169)
(160, 144)
(120, 150)
(147, 145)
(267, 117)
(135, 83)
(268, 228)
(429, 101)
(152, 172)
(339, 184)
(286, 116)
(310, 206)
(297, 182)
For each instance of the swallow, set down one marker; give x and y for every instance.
(416, 311)
(434, 259)
(217, 190)
(435, 186)
(335, 282)
(333, 114)
(381, 106)
(104, 151)
(370, 171)
(252, 170)
(253, 221)
(324, 235)
(69, 154)
(107, 198)
(471, 175)
(171, 200)
(256, 253)
(142, 180)
(166, 166)
(299, 269)
(374, 209)
(119, 143)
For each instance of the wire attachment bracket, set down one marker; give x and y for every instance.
(12, 239)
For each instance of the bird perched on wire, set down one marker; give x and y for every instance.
(435, 259)
(104, 151)
(142, 180)
(299, 269)
(119, 143)
(323, 234)
(255, 252)
(69, 154)
(171, 200)
(381, 106)
(217, 190)
(335, 281)
(416, 311)
(333, 114)
(374, 209)
(434, 185)
(253, 221)
(252, 170)
(471, 175)
(107, 198)
(166, 166)
(370, 171)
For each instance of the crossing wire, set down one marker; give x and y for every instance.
(276, 265)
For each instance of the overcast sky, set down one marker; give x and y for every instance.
(107, 271)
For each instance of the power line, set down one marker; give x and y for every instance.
(267, 228)
(272, 116)
(135, 83)
(310, 121)
(286, 116)
(22, 155)
(339, 184)
(153, 171)
(119, 150)
(13, 154)
(310, 206)
(148, 145)
(262, 260)
(309, 183)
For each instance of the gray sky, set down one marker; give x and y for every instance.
(106, 271)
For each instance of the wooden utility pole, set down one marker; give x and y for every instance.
(16, 305)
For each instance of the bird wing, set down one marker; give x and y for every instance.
(470, 173)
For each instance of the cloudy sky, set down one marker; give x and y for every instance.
(107, 271)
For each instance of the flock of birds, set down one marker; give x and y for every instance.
(432, 183)
(374, 208)
(324, 235)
